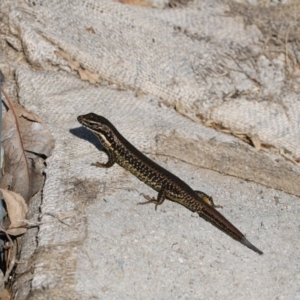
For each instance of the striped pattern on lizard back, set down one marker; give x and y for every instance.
(146, 170)
(168, 185)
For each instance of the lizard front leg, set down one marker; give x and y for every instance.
(108, 164)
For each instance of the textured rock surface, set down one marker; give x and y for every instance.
(94, 242)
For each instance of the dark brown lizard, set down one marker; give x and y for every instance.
(167, 185)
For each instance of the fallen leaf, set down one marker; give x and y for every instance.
(87, 75)
(26, 143)
(31, 116)
(134, 2)
(16, 210)
(5, 295)
(256, 141)
(71, 62)
(84, 74)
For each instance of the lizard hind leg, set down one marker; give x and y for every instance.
(207, 199)
(159, 201)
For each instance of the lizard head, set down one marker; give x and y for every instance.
(95, 123)
(100, 126)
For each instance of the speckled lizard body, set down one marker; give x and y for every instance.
(167, 185)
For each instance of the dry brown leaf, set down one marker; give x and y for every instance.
(256, 141)
(71, 62)
(87, 75)
(6, 181)
(288, 157)
(16, 210)
(134, 2)
(31, 116)
(5, 295)
(26, 142)
(84, 74)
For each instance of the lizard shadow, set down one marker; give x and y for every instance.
(85, 134)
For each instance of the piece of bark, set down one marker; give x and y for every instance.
(239, 160)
